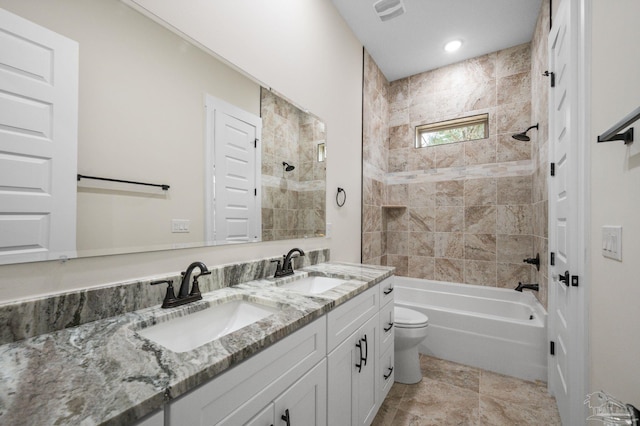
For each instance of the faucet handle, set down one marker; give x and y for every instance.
(278, 267)
(195, 288)
(169, 297)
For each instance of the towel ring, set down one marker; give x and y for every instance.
(344, 197)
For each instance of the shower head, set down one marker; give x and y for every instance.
(523, 136)
(287, 167)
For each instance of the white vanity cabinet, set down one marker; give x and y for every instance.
(292, 371)
(352, 362)
(385, 376)
(335, 371)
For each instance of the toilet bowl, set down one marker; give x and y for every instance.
(410, 329)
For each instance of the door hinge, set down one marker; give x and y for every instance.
(553, 77)
(552, 347)
(552, 261)
(574, 280)
(255, 192)
(553, 169)
(255, 143)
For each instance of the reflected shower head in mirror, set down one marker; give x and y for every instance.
(523, 136)
(287, 167)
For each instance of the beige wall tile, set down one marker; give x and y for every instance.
(451, 270)
(513, 60)
(480, 219)
(509, 149)
(480, 192)
(514, 219)
(422, 194)
(510, 274)
(479, 272)
(480, 247)
(481, 151)
(422, 219)
(422, 267)
(395, 219)
(449, 219)
(421, 244)
(449, 244)
(450, 193)
(514, 190)
(514, 248)
(397, 243)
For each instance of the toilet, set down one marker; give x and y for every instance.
(410, 329)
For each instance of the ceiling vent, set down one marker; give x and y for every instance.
(388, 9)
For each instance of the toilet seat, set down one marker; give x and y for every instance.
(408, 318)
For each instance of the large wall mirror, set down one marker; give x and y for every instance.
(142, 117)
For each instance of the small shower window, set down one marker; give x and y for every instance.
(451, 131)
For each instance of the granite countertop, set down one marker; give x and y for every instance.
(103, 372)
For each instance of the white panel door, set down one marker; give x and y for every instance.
(38, 142)
(565, 298)
(233, 174)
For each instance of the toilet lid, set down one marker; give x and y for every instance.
(408, 318)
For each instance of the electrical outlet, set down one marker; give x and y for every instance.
(180, 226)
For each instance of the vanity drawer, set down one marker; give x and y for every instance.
(385, 375)
(348, 317)
(386, 328)
(386, 290)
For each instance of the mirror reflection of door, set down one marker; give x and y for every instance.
(38, 140)
(232, 155)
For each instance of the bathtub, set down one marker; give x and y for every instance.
(496, 329)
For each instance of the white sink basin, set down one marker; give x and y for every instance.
(183, 334)
(314, 285)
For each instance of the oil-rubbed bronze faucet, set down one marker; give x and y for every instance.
(286, 268)
(184, 295)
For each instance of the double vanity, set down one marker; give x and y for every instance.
(315, 347)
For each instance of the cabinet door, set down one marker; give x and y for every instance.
(304, 403)
(264, 417)
(365, 401)
(341, 372)
(351, 378)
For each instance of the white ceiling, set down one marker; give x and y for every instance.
(414, 42)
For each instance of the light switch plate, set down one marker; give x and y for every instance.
(612, 242)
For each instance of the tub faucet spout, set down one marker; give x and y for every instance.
(534, 287)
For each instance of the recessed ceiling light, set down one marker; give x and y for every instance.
(452, 46)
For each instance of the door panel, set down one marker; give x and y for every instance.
(38, 142)
(565, 377)
(232, 199)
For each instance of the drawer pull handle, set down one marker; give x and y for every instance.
(387, 329)
(386, 376)
(388, 291)
(286, 418)
(366, 349)
(359, 346)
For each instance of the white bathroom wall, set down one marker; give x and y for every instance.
(304, 51)
(615, 181)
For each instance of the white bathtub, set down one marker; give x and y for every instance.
(496, 329)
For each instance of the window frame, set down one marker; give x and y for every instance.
(455, 123)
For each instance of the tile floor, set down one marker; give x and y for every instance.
(456, 394)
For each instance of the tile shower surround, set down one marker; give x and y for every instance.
(44, 315)
(293, 203)
(466, 212)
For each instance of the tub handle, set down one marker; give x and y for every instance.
(386, 376)
(359, 346)
(387, 329)
(388, 291)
